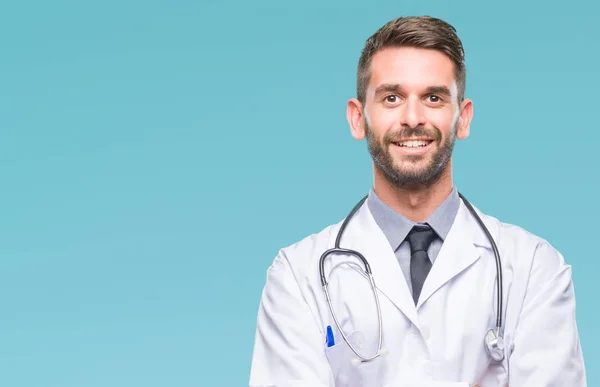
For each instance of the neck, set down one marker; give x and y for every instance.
(415, 202)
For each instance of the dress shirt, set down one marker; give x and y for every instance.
(396, 227)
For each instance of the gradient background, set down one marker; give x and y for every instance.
(155, 155)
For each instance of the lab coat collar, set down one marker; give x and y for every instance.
(364, 235)
(458, 252)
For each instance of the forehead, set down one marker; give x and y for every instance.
(412, 68)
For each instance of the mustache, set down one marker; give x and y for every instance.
(408, 133)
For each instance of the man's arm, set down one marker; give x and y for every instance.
(289, 347)
(546, 347)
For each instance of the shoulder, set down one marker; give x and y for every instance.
(524, 251)
(301, 258)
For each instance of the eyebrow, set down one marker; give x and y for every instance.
(439, 90)
(388, 87)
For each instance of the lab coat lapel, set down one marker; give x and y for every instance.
(364, 235)
(458, 252)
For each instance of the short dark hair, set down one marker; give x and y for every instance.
(413, 31)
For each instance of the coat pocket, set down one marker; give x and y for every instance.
(348, 370)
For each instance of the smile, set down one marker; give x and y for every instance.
(413, 147)
(413, 143)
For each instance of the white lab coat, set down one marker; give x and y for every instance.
(440, 341)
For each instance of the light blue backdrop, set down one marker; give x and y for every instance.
(155, 155)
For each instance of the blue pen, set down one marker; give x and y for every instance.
(330, 339)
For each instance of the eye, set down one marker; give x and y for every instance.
(392, 98)
(434, 98)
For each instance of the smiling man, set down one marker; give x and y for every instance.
(411, 111)
(458, 298)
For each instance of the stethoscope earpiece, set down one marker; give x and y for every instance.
(382, 353)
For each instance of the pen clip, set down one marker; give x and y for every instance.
(329, 338)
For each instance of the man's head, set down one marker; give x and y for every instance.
(410, 86)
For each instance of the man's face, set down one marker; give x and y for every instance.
(411, 114)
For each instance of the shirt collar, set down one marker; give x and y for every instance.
(396, 226)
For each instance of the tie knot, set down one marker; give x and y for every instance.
(420, 237)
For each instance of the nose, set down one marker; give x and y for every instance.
(413, 113)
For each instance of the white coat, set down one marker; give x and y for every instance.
(440, 341)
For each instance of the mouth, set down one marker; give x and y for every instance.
(413, 146)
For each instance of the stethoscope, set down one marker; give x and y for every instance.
(493, 341)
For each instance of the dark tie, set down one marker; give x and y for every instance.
(419, 238)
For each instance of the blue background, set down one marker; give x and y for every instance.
(154, 156)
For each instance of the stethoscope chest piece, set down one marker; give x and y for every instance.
(494, 344)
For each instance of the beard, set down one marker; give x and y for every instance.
(417, 170)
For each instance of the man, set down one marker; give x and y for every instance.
(433, 266)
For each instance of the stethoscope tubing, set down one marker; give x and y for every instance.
(338, 250)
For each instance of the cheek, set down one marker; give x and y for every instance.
(442, 120)
(383, 120)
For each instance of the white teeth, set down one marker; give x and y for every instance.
(413, 144)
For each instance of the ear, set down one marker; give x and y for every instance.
(464, 121)
(356, 120)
